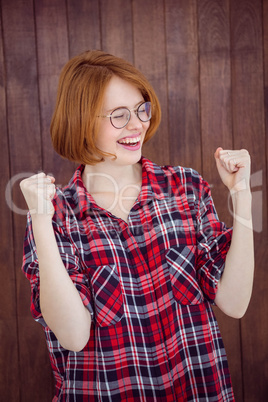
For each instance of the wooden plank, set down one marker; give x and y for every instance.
(9, 366)
(216, 126)
(215, 80)
(116, 28)
(53, 53)
(265, 55)
(84, 25)
(150, 58)
(183, 83)
(38, 381)
(249, 132)
(9, 357)
(25, 148)
(22, 113)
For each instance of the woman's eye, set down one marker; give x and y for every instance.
(119, 116)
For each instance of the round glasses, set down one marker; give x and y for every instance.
(120, 117)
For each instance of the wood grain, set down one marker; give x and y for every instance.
(216, 126)
(208, 61)
(183, 83)
(25, 149)
(249, 133)
(149, 33)
(116, 28)
(9, 354)
(53, 53)
(265, 55)
(83, 26)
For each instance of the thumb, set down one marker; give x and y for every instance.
(217, 153)
(217, 158)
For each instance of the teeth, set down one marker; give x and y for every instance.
(129, 140)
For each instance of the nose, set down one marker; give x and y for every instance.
(134, 121)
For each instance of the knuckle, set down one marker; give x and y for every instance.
(245, 151)
(22, 184)
(25, 183)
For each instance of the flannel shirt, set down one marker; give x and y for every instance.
(149, 285)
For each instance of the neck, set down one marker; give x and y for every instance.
(112, 178)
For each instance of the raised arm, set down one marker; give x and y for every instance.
(60, 302)
(235, 286)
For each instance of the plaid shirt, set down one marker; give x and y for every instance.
(148, 284)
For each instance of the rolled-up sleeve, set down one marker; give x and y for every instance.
(213, 242)
(70, 259)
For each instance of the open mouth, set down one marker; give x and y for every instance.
(130, 142)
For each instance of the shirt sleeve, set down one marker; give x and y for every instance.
(213, 242)
(71, 260)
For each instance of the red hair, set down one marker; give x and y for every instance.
(81, 89)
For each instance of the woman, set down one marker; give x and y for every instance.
(126, 260)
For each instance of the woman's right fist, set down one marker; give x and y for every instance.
(38, 191)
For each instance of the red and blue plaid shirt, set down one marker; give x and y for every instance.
(149, 285)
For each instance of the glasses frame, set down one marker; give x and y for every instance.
(135, 110)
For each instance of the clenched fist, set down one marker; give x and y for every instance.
(234, 168)
(38, 191)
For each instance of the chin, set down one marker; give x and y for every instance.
(129, 159)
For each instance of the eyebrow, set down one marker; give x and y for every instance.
(118, 107)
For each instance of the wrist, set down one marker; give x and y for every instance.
(44, 235)
(242, 194)
(242, 206)
(241, 186)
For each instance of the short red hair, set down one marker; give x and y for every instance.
(82, 84)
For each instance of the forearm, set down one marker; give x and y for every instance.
(60, 302)
(235, 287)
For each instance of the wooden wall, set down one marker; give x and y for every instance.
(208, 61)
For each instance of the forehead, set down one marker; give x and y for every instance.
(121, 93)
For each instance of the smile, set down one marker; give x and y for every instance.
(130, 141)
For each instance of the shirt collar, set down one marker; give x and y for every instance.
(152, 180)
(80, 198)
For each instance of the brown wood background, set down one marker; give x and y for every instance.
(208, 61)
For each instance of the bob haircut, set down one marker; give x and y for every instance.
(81, 89)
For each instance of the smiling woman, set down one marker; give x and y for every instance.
(130, 130)
(126, 261)
(79, 104)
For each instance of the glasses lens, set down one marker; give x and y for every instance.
(120, 117)
(145, 111)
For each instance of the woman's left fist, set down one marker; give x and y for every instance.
(234, 168)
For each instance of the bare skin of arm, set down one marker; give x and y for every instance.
(235, 286)
(60, 302)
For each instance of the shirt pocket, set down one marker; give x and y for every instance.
(185, 288)
(107, 295)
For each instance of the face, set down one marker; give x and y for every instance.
(126, 142)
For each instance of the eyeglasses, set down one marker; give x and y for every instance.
(120, 117)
